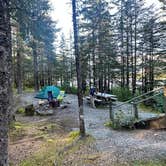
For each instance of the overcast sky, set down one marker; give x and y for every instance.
(62, 13)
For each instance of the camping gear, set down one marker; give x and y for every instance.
(61, 96)
(43, 94)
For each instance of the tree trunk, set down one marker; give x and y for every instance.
(35, 67)
(93, 59)
(19, 73)
(19, 66)
(122, 47)
(5, 79)
(135, 51)
(127, 52)
(78, 70)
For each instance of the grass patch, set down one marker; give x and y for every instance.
(148, 108)
(56, 145)
(56, 150)
(17, 131)
(29, 90)
(20, 130)
(20, 110)
(108, 124)
(45, 156)
(74, 134)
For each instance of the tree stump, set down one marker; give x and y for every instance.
(29, 110)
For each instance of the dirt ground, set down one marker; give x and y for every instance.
(111, 147)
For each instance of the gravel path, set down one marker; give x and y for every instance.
(121, 145)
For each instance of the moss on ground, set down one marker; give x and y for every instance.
(55, 150)
(148, 108)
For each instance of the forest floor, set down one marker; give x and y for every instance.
(52, 140)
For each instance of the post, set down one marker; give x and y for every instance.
(135, 110)
(111, 111)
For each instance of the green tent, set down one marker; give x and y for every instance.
(43, 94)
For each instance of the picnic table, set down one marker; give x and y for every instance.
(105, 96)
(102, 98)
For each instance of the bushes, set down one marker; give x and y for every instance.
(123, 94)
(159, 103)
(20, 110)
(154, 105)
(69, 89)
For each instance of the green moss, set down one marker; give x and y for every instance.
(20, 111)
(17, 131)
(147, 108)
(108, 124)
(55, 150)
(49, 153)
(74, 134)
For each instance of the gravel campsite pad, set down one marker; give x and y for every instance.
(122, 146)
(112, 146)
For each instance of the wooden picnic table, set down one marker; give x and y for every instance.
(105, 96)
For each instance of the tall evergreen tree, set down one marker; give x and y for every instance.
(5, 79)
(78, 69)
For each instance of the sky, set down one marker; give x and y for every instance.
(62, 13)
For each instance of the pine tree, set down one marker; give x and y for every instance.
(5, 79)
(78, 70)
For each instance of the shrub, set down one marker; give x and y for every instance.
(20, 111)
(69, 89)
(159, 103)
(123, 94)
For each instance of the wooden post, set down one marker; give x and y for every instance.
(135, 110)
(164, 105)
(111, 111)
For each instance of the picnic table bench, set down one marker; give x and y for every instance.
(98, 101)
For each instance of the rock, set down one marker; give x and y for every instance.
(63, 106)
(45, 112)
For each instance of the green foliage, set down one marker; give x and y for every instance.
(123, 94)
(29, 89)
(69, 89)
(20, 110)
(108, 124)
(147, 108)
(123, 120)
(74, 134)
(156, 106)
(159, 103)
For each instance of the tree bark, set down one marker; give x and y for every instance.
(19, 73)
(35, 67)
(5, 79)
(78, 70)
(135, 50)
(122, 46)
